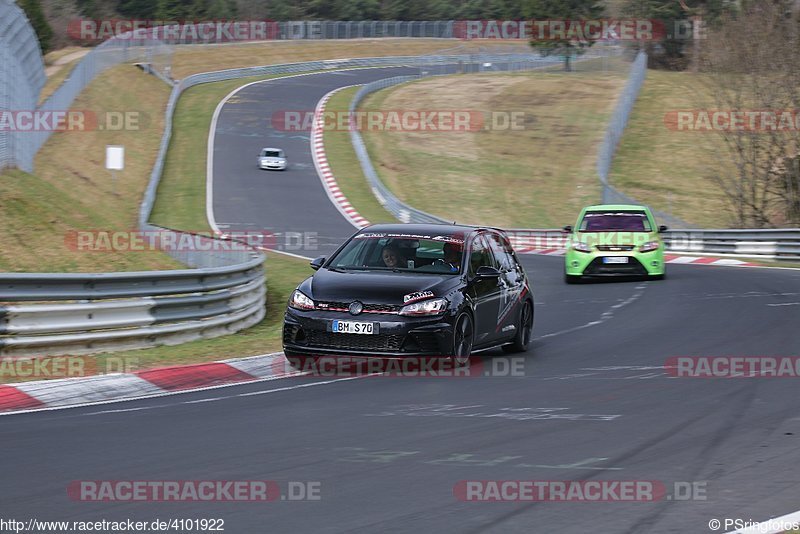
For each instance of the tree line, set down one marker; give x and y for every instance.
(403, 10)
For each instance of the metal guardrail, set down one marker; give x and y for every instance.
(82, 313)
(775, 244)
(778, 244)
(21, 76)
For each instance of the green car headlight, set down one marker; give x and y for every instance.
(581, 246)
(649, 246)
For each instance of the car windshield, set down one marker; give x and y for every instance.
(606, 221)
(272, 154)
(401, 253)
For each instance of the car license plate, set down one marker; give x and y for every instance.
(616, 259)
(354, 327)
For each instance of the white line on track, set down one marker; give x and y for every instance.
(226, 397)
(605, 316)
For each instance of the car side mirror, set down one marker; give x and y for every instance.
(662, 229)
(484, 271)
(568, 229)
(316, 263)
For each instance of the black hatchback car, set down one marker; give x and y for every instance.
(399, 290)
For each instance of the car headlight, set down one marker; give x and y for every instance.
(650, 246)
(300, 301)
(580, 246)
(425, 307)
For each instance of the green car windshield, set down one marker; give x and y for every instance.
(615, 221)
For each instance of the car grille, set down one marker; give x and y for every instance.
(377, 342)
(368, 308)
(615, 248)
(597, 267)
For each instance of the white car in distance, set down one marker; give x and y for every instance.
(272, 159)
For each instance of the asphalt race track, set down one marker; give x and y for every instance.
(592, 402)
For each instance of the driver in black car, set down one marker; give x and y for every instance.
(451, 258)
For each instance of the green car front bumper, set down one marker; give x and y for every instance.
(614, 262)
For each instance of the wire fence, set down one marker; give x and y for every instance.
(21, 78)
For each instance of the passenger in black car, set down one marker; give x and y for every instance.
(390, 256)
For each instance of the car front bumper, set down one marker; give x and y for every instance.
(591, 263)
(308, 333)
(273, 166)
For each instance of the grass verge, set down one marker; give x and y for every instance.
(537, 175)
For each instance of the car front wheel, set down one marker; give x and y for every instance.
(463, 336)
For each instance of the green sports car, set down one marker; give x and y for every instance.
(614, 240)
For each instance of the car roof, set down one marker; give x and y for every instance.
(268, 148)
(430, 228)
(606, 207)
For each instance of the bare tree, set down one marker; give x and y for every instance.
(753, 66)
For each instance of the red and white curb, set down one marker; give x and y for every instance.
(707, 260)
(104, 389)
(324, 169)
(668, 258)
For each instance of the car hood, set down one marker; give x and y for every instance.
(374, 287)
